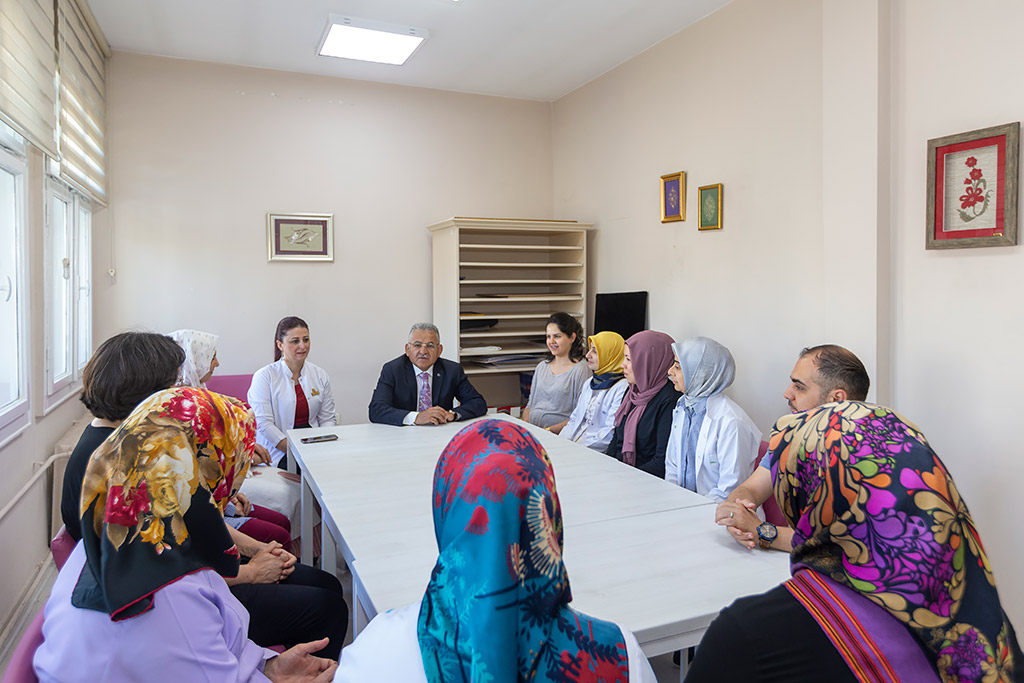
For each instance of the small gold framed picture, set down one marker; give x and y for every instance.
(673, 197)
(709, 207)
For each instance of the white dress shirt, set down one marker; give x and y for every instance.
(272, 398)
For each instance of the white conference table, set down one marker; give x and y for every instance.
(639, 551)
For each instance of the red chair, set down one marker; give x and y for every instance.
(19, 669)
(772, 513)
(61, 546)
(236, 386)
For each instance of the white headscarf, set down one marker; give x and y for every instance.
(708, 367)
(199, 348)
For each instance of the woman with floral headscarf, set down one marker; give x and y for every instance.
(644, 419)
(497, 605)
(713, 444)
(257, 521)
(143, 596)
(890, 579)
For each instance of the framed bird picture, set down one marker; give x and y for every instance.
(300, 237)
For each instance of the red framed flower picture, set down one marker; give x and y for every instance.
(972, 189)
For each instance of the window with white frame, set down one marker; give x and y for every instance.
(67, 273)
(83, 284)
(14, 405)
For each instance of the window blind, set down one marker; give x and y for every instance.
(28, 68)
(83, 109)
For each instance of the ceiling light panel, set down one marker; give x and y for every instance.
(370, 41)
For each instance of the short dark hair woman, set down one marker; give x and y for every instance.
(124, 370)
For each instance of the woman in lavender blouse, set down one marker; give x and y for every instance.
(142, 596)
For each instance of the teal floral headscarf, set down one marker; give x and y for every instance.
(496, 608)
(874, 509)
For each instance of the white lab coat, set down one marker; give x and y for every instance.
(388, 651)
(272, 398)
(726, 448)
(592, 423)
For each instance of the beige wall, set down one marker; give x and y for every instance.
(201, 152)
(957, 324)
(735, 99)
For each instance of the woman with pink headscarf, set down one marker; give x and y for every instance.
(644, 420)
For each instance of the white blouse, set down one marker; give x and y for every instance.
(272, 399)
(592, 422)
(388, 651)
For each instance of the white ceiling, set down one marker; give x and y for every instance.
(531, 49)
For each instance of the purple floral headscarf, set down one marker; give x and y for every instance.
(873, 508)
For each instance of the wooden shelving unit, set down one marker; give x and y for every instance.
(513, 274)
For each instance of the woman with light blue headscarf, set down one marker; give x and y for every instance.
(713, 444)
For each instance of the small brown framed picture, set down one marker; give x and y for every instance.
(673, 197)
(300, 237)
(709, 207)
(972, 189)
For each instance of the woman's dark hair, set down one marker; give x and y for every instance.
(128, 368)
(289, 323)
(569, 326)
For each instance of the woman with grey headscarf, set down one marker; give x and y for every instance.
(713, 444)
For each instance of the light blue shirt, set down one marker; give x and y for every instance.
(686, 423)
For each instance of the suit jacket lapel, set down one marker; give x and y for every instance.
(438, 381)
(409, 384)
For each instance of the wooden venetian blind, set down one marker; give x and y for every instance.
(28, 68)
(83, 106)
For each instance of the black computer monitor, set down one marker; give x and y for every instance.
(622, 312)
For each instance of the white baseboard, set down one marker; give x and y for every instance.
(32, 599)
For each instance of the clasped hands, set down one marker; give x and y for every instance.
(740, 519)
(435, 415)
(271, 563)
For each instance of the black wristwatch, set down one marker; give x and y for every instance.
(766, 533)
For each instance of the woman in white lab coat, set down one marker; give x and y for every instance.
(712, 445)
(592, 422)
(290, 393)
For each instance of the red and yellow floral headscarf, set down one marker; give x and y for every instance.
(154, 495)
(874, 509)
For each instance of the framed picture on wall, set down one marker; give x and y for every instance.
(673, 197)
(972, 189)
(300, 237)
(709, 207)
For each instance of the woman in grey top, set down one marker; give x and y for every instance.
(558, 380)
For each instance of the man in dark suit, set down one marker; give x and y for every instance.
(419, 387)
